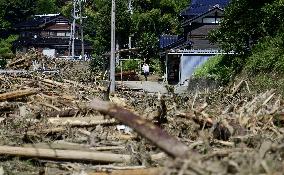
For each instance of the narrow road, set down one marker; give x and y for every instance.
(147, 86)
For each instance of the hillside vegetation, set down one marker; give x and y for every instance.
(257, 42)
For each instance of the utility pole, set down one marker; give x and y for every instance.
(74, 29)
(112, 57)
(82, 31)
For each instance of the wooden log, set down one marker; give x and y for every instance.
(17, 61)
(64, 113)
(81, 121)
(60, 146)
(83, 147)
(160, 138)
(17, 94)
(52, 82)
(56, 154)
(50, 106)
(47, 131)
(150, 171)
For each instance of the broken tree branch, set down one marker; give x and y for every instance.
(64, 113)
(81, 121)
(160, 138)
(150, 171)
(17, 94)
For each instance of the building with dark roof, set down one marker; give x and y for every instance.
(49, 34)
(184, 53)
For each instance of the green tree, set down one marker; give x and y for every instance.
(246, 22)
(15, 11)
(97, 26)
(46, 7)
(152, 18)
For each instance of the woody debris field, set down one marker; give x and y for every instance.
(65, 122)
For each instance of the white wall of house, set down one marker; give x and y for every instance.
(188, 64)
(49, 52)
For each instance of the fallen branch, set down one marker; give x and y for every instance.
(151, 171)
(47, 131)
(81, 121)
(160, 138)
(57, 154)
(52, 82)
(237, 88)
(50, 106)
(65, 113)
(17, 94)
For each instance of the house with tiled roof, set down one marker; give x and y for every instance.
(184, 53)
(49, 34)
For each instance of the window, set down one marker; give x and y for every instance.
(44, 33)
(60, 34)
(211, 20)
(52, 33)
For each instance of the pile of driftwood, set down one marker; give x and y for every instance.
(34, 61)
(65, 127)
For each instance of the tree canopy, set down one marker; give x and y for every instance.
(247, 21)
(144, 21)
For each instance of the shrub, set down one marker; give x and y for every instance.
(97, 64)
(219, 68)
(156, 66)
(267, 56)
(129, 65)
(6, 47)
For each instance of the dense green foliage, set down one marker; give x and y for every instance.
(6, 46)
(6, 49)
(247, 21)
(129, 65)
(222, 68)
(145, 21)
(267, 57)
(254, 31)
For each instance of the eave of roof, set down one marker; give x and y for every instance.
(187, 22)
(39, 21)
(198, 7)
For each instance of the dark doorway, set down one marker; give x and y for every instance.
(173, 69)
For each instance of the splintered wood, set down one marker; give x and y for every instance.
(148, 130)
(55, 121)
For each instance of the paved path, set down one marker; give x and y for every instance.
(152, 86)
(147, 86)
